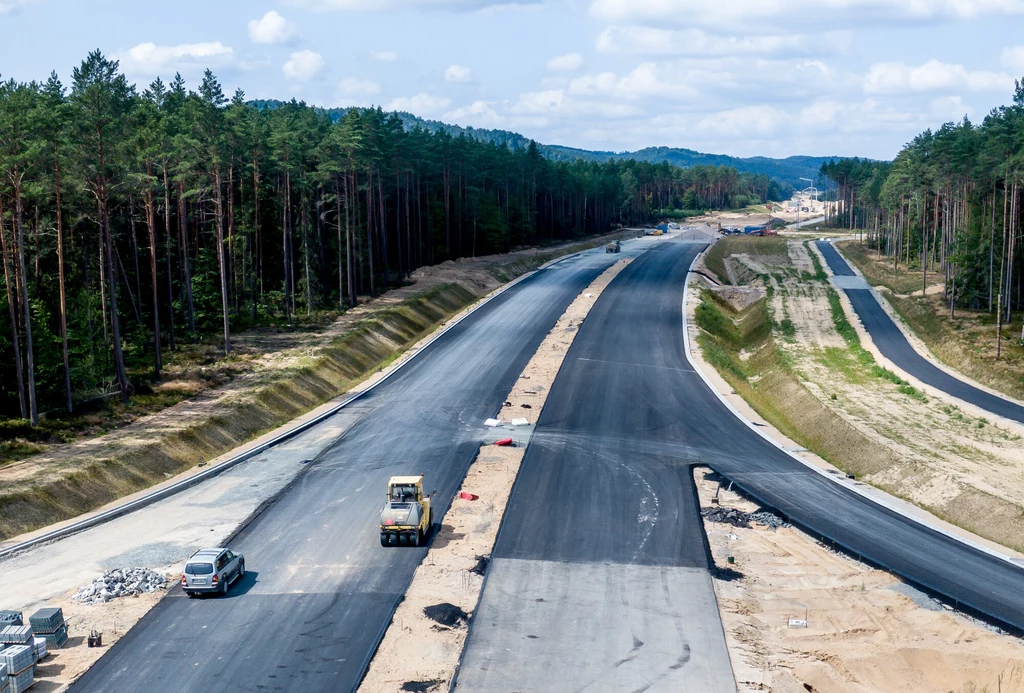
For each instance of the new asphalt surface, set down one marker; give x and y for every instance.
(605, 482)
(320, 589)
(602, 541)
(894, 346)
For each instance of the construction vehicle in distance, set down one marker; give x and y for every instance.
(613, 247)
(406, 518)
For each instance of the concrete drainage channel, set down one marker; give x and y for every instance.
(444, 592)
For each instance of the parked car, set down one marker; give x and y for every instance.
(212, 570)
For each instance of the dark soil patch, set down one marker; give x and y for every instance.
(446, 614)
(481, 565)
(726, 574)
(421, 686)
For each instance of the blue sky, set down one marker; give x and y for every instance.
(742, 77)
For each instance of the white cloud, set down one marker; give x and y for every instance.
(420, 104)
(271, 29)
(899, 78)
(821, 114)
(478, 114)
(566, 63)
(744, 122)
(1013, 58)
(303, 66)
(13, 5)
(353, 91)
(758, 13)
(539, 102)
(949, 108)
(646, 80)
(151, 59)
(637, 40)
(457, 73)
(378, 5)
(385, 56)
(350, 86)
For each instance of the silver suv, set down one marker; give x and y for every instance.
(212, 570)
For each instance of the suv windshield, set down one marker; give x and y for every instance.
(199, 568)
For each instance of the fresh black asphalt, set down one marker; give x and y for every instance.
(321, 589)
(602, 538)
(671, 419)
(894, 346)
(605, 478)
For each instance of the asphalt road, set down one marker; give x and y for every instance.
(894, 346)
(320, 589)
(625, 419)
(602, 539)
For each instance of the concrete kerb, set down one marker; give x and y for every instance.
(882, 499)
(295, 430)
(918, 345)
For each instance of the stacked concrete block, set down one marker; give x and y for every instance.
(49, 624)
(5, 684)
(40, 647)
(10, 618)
(16, 635)
(22, 681)
(20, 661)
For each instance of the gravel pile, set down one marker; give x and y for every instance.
(738, 518)
(121, 582)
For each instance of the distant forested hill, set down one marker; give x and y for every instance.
(789, 170)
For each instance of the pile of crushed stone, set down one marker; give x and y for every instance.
(120, 582)
(738, 518)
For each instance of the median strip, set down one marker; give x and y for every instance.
(431, 621)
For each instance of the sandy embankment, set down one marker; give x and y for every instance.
(866, 630)
(418, 653)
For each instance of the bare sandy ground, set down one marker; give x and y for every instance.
(866, 631)
(112, 619)
(418, 653)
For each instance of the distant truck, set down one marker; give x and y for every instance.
(406, 518)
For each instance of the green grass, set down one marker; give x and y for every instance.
(766, 380)
(819, 271)
(787, 328)
(862, 356)
(880, 272)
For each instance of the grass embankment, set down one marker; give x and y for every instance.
(741, 347)
(965, 343)
(291, 393)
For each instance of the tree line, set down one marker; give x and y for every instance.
(132, 221)
(948, 206)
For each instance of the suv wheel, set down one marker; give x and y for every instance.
(241, 570)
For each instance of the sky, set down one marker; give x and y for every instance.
(740, 77)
